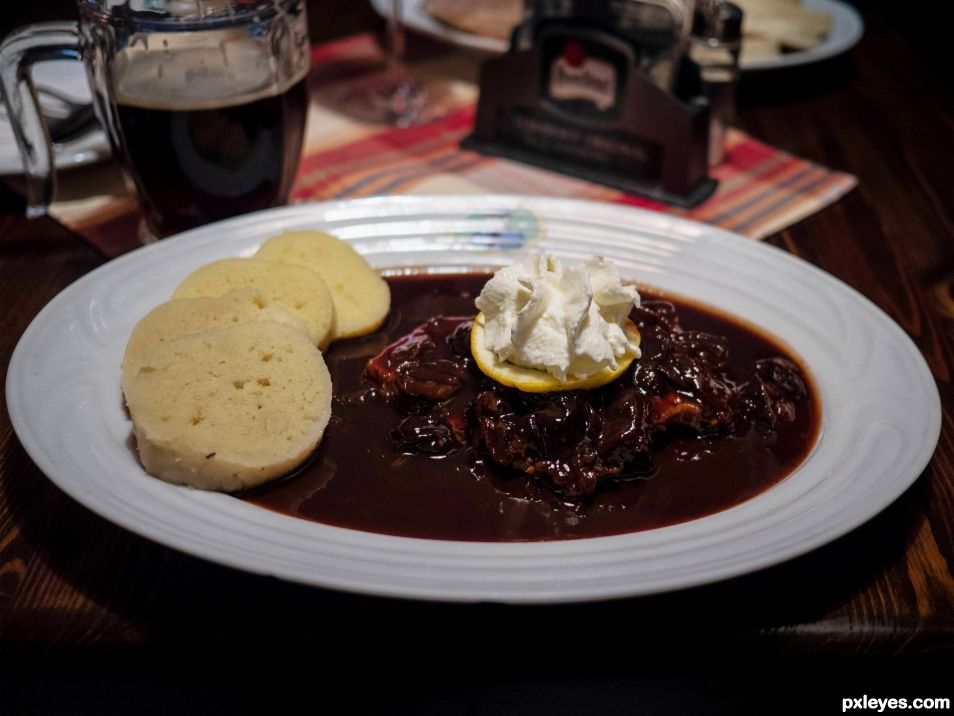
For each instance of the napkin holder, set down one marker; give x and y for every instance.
(576, 103)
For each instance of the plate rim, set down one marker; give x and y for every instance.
(416, 18)
(426, 592)
(842, 13)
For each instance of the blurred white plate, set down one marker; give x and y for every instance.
(847, 28)
(880, 407)
(68, 78)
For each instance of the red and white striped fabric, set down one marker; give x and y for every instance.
(761, 189)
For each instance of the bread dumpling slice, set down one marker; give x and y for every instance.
(183, 316)
(231, 408)
(300, 290)
(362, 298)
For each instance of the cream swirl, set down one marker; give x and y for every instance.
(565, 321)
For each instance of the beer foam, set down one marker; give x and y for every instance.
(180, 75)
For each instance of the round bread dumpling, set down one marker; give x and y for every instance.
(183, 316)
(231, 408)
(362, 298)
(301, 291)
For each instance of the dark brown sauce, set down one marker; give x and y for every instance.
(357, 479)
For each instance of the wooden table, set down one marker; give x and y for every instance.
(77, 593)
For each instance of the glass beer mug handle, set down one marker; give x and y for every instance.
(18, 53)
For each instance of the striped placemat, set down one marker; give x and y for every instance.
(761, 189)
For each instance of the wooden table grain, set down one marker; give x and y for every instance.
(75, 589)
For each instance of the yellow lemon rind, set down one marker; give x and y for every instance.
(531, 380)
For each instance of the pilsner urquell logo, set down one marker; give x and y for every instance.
(575, 76)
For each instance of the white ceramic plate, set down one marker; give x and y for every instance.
(847, 28)
(68, 78)
(881, 411)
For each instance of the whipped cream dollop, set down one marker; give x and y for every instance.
(565, 321)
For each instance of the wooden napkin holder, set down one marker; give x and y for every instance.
(576, 103)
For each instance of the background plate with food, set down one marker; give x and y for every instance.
(780, 33)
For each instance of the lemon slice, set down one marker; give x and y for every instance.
(531, 380)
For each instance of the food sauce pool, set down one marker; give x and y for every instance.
(357, 480)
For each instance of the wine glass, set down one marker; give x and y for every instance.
(392, 95)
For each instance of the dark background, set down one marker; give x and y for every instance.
(398, 658)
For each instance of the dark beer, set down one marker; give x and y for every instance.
(196, 166)
(212, 148)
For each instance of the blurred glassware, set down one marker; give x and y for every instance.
(714, 46)
(204, 102)
(393, 96)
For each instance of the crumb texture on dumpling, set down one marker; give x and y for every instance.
(183, 316)
(300, 290)
(362, 298)
(229, 408)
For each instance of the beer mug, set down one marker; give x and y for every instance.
(204, 102)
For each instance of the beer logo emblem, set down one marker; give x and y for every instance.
(573, 75)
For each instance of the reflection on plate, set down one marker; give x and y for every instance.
(881, 411)
(847, 28)
(67, 79)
